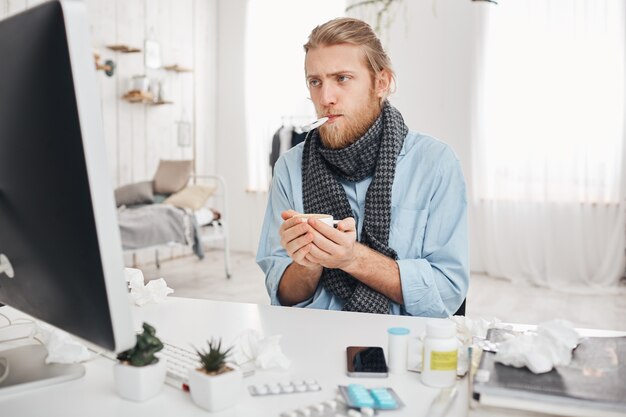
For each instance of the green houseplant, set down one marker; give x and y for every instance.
(215, 385)
(139, 374)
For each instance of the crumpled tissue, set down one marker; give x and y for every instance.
(251, 349)
(154, 291)
(550, 346)
(62, 348)
(467, 332)
(467, 329)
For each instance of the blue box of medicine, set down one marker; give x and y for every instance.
(357, 396)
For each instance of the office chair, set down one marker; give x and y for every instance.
(461, 310)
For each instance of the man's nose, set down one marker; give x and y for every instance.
(328, 96)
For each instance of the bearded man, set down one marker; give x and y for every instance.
(401, 245)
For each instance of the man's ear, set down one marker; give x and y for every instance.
(383, 83)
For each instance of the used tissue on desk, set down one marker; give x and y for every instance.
(467, 332)
(262, 352)
(62, 348)
(551, 345)
(154, 291)
(467, 329)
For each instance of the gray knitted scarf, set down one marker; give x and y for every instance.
(374, 154)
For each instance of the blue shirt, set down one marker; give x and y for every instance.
(428, 227)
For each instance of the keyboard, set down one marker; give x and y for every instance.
(179, 362)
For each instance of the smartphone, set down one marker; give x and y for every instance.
(366, 362)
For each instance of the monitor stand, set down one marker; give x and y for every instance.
(24, 368)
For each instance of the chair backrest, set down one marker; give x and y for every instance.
(461, 310)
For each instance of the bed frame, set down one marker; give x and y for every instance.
(217, 231)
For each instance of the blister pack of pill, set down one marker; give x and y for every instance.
(288, 387)
(331, 408)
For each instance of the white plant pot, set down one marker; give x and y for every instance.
(214, 393)
(139, 383)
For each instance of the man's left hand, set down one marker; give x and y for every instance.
(333, 248)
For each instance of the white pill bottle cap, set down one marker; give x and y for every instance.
(440, 329)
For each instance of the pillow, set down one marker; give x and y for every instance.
(172, 176)
(192, 197)
(136, 193)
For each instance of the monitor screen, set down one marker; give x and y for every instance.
(58, 226)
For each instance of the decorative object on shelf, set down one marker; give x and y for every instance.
(123, 48)
(139, 375)
(108, 67)
(215, 385)
(177, 68)
(152, 56)
(143, 90)
(156, 88)
(146, 97)
(140, 83)
(139, 90)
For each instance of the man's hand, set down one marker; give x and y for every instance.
(332, 248)
(339, 249)
(296, 237)
(301, 278)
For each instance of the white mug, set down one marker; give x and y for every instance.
(324, 218)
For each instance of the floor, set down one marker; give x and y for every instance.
(488, 297)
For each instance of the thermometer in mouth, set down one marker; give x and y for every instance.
(317, 123)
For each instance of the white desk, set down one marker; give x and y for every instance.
(314, 340)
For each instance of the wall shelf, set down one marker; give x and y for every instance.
(177, 68)
(136, 96)
(123, 48)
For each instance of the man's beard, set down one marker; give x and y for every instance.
(354, 126)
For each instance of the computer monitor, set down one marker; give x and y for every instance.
(58, 226)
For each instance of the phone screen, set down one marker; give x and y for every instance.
(366, 361)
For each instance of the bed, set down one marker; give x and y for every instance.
(175, 209)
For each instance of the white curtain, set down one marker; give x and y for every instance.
(548, 161)
(275, 85)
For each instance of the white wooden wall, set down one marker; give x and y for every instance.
(138, 135)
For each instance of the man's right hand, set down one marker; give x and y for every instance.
(296, 238)
(301, 277)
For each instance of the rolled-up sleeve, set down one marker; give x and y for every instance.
(436, 284)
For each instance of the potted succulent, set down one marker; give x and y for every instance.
(215, 385)
(139, 375)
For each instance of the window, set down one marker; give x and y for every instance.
(275, 83)
(551, 108)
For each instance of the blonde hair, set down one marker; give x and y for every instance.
(355, 32)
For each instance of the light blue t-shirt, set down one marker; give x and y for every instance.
(428, 227)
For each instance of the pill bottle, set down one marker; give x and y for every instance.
(439, 357)
(397, 348)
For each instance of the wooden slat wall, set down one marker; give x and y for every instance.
(138, 135)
